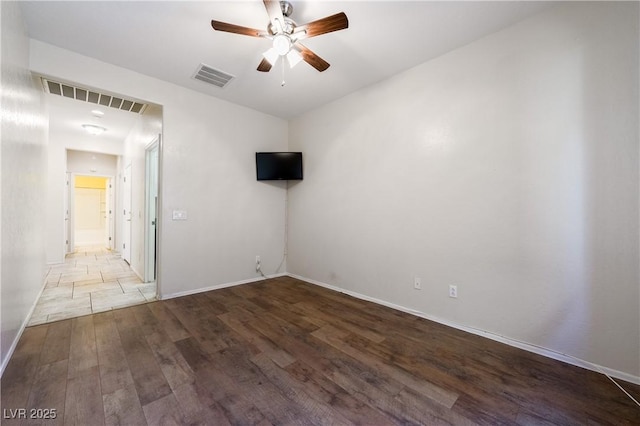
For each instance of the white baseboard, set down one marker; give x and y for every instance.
(14, 344)
(549, 353)
(216, 287)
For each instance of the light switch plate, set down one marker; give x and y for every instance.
(179, 215)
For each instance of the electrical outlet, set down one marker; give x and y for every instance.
(417, 283)
(453, 291)
(258, 264)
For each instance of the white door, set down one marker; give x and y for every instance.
(151, 180)
(110, 229)
(126, 215)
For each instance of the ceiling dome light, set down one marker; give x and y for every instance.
(93, 129)
(282, 44)
(97, 113)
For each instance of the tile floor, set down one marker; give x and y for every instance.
(93, 279)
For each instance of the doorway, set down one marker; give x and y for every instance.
(115, 267)
(90, 212)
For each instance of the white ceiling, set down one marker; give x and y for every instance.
(170, 39)
(66, 117)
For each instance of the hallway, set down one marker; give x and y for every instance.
(92, 280)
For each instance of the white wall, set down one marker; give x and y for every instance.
(90, 223)
(23, 174)
(145, 131)
(91, 163)
(508, 167)
(208, 169)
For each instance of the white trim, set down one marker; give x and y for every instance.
(218, 286)
(549, 353)
(12, 349)
(150, 255)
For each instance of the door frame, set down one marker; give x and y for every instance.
(127, 200)
(152, 204)
(69, 206)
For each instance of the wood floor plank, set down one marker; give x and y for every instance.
(149, 381)
(124, 319)
(119, 396)
(114, 370)
(338, 398)
(168, 321)
(202, 323)
(83, 354)
(392, 316)
(195, 408)
(16, 383)
(173, 365)
(219, 386)
(339, 322)
(368, 390)
(32, 340)
(267, 398)
(225, 299)
(331, 336)
(315, 411)
(57, 342)
(191, 350)
(164, 411)
(83, 402)
(272, 307)
(122, 406)
(303, 346)
(47, 396)
(428, 411)
(21, 372)
(175, 368)
(278, 355)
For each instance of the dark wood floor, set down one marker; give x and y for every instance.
(287, 352)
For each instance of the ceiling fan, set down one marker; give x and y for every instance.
(285, 35)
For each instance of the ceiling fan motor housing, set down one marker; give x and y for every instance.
(288, 27)
(286, 8)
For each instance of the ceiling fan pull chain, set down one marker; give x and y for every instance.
(283, 82)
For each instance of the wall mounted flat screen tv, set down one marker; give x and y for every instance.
(279, 165)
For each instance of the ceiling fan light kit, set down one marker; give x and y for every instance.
(285, 35)
(282, 44)
(294, 58)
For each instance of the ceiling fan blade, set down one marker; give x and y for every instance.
(265, 66)
(311, 58)
(329, 24)
(237, 29)
(275, 13)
